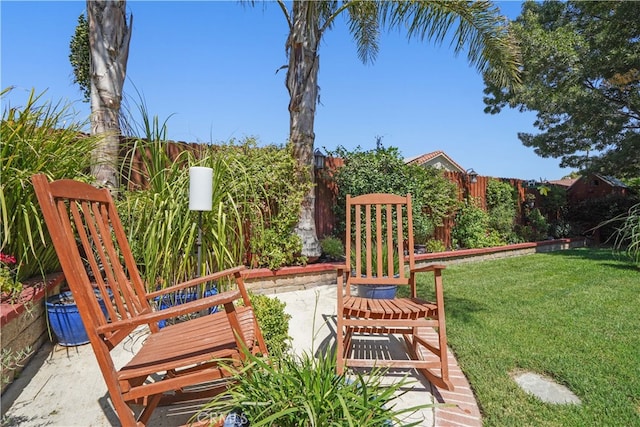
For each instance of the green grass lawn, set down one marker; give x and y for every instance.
(571, 315)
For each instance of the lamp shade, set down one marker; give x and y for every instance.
(200, 188)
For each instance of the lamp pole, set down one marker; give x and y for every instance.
(200, 199)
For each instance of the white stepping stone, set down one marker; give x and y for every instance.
(545, 389)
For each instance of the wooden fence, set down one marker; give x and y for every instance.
(326, 193)
(326, 190)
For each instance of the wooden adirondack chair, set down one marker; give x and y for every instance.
(175, 363)
(378, 225)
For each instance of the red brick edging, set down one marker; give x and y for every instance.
(452, 408)
(33, 291)
(460, 406)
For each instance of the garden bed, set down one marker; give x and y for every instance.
(265, 281)
(24, 324)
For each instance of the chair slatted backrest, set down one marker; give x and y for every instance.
(379, 234)
(94, 253)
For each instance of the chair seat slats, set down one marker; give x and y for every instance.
(397, 308)
(188, 343)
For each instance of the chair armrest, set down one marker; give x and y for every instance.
(197, 281)
(340, 268)
(426, 268)
(189, 307)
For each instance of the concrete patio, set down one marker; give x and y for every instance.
(62, 386)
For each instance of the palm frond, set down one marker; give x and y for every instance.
(481, 30)
(364, 25)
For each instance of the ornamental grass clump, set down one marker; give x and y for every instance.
(256, 202)
(301, 391)
(160, 227)
(38, 137)
(627, 235)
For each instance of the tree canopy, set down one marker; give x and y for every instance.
(80, 56)
(581, 74)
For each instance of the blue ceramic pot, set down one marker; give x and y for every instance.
(377, 291)
(65, 320)
(178, 298)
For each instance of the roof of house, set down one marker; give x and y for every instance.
(612, 181)
(424, 158)
(565, 182)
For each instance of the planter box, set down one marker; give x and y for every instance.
(24, 324)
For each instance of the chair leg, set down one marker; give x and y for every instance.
(340, 335)
(124, 412)
(441, 380)
(444, 359)
(152, 404)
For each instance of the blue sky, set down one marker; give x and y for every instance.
(209, 68)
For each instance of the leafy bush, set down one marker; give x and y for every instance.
(39, 137)
(553, 206)
(592, 215)
(499, 193)
(383, 170)
(274, 248)
(274, 323)
(471, 228)
(560, 229)
(501, 207)
(256, 200)
(269, 199)
(303, 391)
(435, 246)
(332, 248)
(536, 228)
(161, 229)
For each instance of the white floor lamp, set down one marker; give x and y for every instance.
(200, 199)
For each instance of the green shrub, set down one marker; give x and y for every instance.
(269, 199)
(539, 225)
(471, 228)
(274, 323)
(553, 206)
(332, 248)
(256, 200)
(274, 248)
(303, 391)
(501, 207)
(560, 229)
(383, 170)
(161, 229)
(435, 246)
(39, 137)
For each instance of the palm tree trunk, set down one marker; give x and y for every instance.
(109, 37)
(302, 84)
